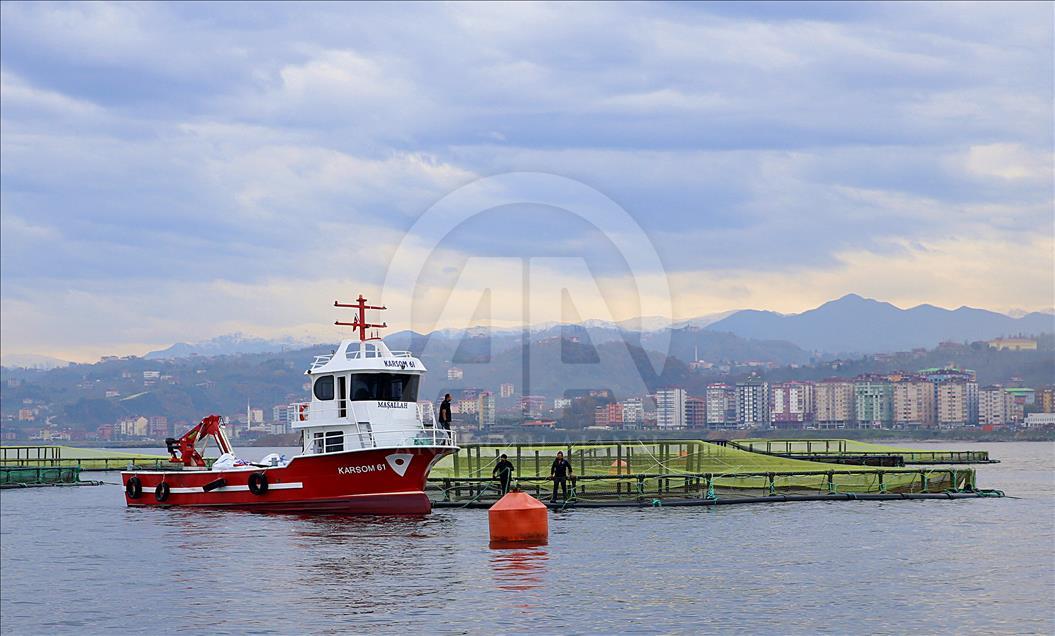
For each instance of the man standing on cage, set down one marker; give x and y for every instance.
(559, 473)
(504, 472)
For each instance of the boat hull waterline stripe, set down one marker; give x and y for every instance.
(293, 485)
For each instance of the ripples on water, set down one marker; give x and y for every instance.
(77, 560)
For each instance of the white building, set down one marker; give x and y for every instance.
(633, 413)
(752, 404)
(1040, 419)
(721, 406)
(506, 390)
(485, 409)
(995, 406)
(670, 408)
(454, 373)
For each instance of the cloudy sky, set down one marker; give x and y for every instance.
(177, 172)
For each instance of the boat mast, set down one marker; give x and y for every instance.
(360, 320)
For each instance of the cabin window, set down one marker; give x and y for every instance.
(396, 387)
(328, 442)
(324, 388)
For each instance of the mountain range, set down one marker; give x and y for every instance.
(849, 325)
(227, 345)
(853, 324)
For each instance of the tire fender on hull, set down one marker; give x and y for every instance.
(133, 488)
(258, 484)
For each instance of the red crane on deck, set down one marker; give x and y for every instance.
(211, 426)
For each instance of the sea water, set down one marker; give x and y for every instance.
(76, 560)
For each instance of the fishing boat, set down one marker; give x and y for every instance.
(367, 443)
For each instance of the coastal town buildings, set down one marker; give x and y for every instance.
(996, 407)
(833, 403)
(1046, 399)
(913, 403)
(791, 404)
(532, 406)
(1014, 344)
(485, 409)
(633, 413)
(873, 401)
(752, 404)
(957, 406)
(952, 404)
(695, 412)
(670, 408)
(609, 415)
(720, 406)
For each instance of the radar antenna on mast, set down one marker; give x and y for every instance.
(360, 320)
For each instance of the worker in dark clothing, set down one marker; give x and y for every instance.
(445, 412)
(559, 473)
(504, 472)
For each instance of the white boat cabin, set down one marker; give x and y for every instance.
(364, 395)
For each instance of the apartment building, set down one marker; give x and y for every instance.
(833, 404)
(791, 404)
(913, 403)
(752, 404)
(670, 408)
(721, 406)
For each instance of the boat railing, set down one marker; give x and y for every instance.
(437, 436)
(360, 354)
(363, 436)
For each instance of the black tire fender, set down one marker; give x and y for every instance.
(161, 493)
(258, 483)
(133, 487)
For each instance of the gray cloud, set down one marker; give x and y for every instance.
(194, 143)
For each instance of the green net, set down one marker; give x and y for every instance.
(690, 469)
(39, 475)
(83, 458)
(805, 448)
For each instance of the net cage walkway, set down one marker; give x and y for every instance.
(85, 459)
(684, 472)
(852, 451)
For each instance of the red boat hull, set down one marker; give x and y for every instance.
(370, 481)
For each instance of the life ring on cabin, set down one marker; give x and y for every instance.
(133, 488)
(161, 493)
(258, 483)
(302, 412)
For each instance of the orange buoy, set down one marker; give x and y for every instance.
(518, 518)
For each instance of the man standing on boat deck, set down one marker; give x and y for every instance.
(559, 473)
(504, 472)
(445, 412)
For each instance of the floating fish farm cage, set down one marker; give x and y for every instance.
(83, 458)
(683, 472)
(23, 477)
(848, 451)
